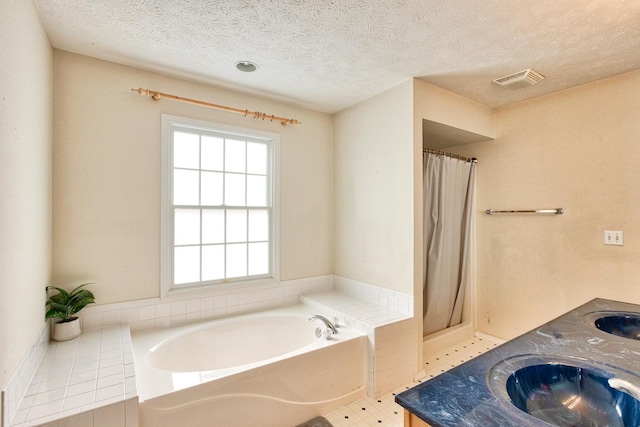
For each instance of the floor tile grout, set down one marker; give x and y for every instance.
(369, 412)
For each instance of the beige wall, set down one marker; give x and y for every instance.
(441, 106)
(106, 187)
(374, 190)
(348, 201)
(25, 180)
(578, 150)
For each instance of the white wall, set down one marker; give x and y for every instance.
(374, 179)
(106, 217)
(25, 180)
(578, 150)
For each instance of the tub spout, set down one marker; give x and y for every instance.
(326, 321)
(625, 387)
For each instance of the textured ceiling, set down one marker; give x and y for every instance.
(329, 54)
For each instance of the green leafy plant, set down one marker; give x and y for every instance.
(64, 305)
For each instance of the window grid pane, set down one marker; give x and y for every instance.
(186, 150)
(232, 242)
(236, 226)
(212, 153)
(235, 193)
(256, 158)
(258, 225)
(213, 262)
(186, 264)
(186, 187)
(187, 227)
(211, 188)
(236, 260)
(213, 226)
(258, 258)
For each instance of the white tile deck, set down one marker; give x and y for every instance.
(358, 310)
(92, 372)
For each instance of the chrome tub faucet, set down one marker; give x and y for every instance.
(331, 329)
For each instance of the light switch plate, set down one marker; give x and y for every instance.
(614, 238)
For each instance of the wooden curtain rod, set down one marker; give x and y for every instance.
(156, 96)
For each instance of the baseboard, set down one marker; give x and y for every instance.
(489, 338)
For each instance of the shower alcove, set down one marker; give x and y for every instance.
(437, 136)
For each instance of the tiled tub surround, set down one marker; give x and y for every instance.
(88, 382)
(181, 309)
(21, 379)
(264, 369)
(392, 352)
(462, 396)
(153, 313)
(397, 304)
(382, 314)
(156, 313)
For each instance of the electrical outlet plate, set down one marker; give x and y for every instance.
(613, 238)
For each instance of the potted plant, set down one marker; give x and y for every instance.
(64, 305)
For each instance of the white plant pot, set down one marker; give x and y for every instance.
(65, 331)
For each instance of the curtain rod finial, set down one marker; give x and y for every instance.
(141, 91)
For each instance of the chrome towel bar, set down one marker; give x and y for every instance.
(557, 211)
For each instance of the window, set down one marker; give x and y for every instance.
(218, 214)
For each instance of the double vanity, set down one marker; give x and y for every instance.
(581, 369)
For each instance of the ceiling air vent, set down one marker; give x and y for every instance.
(521, 79)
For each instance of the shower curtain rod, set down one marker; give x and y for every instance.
(455, 156)
(156, 96)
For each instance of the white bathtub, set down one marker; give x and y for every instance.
(261, 369)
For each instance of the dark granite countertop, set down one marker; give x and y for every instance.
(468, 395)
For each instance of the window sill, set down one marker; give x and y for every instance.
(219, 289)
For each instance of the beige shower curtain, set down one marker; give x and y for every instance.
(449, 188)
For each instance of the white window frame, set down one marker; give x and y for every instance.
(167, 287)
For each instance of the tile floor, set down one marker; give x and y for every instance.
(384, 411)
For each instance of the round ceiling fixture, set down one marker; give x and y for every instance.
(246, 66)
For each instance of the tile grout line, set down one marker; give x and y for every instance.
(448, 358)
